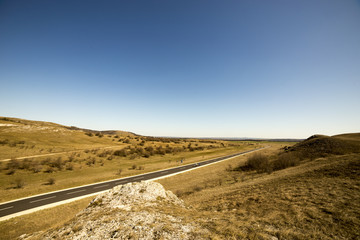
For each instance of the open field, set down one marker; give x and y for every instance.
(104, 156)
(306, 190)
(316, 199)
(18, 226)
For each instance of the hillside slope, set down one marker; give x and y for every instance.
(316, 199)
(19, 137)
(321, 146)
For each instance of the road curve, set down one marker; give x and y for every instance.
(25, 204)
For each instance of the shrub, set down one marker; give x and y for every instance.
(13, 164)
(285, 160)
(119, 171)
(10, 172)
(150, 150)
(4, 142)
(50, 181)
(25, 164)
(91, 161)
(197, 189)
(102, 154)
(36, 167)
(120, 153)
(69, 166)
(99, 135)
(229, 168)
(89, 134)
(160, 150)
(57, 163)
(19, 183)
(258, 162)
(48, 169)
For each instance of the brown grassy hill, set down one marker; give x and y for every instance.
(19, 137)
(354, 137)
(321, 146)
(317, 199)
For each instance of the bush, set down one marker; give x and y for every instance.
(49, 169)
(13, 164)
(69, 166)
(99, 135)
(10, 172)
(120, 153)
(19, 183)
(119, 171)
(35, 167)
(284, 161)
(89, 134)
(4, 142)
(50, 181)
(25, 164)
(150, 150)
(229, 168)
(91, 161)
(258, 162)
(57, 163)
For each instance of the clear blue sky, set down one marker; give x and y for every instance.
(184, 68)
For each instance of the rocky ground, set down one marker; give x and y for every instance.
(132, 211)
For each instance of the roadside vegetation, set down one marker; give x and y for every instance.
(112, 155)
(280, 193)
(316, 198)
(305, 190)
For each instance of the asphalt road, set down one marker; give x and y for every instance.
(17, 206)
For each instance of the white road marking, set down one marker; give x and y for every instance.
(93, 194)
(48, 206)
(85, 185)
(6, 208)
(77, 191)
(138, 178)
(102, 186)
(42, 199)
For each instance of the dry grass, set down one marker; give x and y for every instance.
(30, 223)
(35, 183)
(317, 199)
(102, 156)
(314, 200)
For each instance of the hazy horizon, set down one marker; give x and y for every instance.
(254, 69)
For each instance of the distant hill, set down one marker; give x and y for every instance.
(18, 124)
(321, 145)
(20, 137)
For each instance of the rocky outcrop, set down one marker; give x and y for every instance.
(132, 211)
